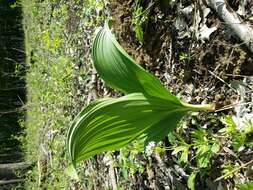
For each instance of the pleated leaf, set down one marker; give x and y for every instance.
(111, 123)
(149, 111)
(121, 72)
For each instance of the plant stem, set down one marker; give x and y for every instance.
(233, 171)
(197, 107)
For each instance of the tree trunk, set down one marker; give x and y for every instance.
(9, 171)
(11, 157)
(10, 184)
(233, 20)
(11, 181)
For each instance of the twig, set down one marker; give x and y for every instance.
(243, 76)
(15, 88)
(233, 20)
(112, 175)
(233, 105)
(146, 10)
(10, 181)
(222, 80)
(233, 171)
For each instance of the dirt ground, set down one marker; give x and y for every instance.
(201, 70)
(214, 68)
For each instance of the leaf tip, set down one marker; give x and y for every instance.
(71, 172)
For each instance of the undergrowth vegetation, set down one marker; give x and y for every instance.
(214, 148)
(51, 70)
(49, 85)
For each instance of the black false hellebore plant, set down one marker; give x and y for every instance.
(148, 110)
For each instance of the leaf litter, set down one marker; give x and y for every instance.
(160, 53)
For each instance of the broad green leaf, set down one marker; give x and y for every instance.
(110, 124)
(121, 72)
(149, 111)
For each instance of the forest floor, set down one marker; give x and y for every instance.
(187, 47)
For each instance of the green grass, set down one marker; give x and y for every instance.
(50, 93)
(54, 49)
(46, 98)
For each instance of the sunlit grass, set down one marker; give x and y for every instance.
(49, 93)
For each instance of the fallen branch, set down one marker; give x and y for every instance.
(233, 20)
(11, 170)
(11, 181)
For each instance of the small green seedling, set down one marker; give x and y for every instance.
(139, 20)
(237, 138)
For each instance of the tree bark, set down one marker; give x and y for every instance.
(11, 181)
(233, 20)
(8, 171)
(11, 157)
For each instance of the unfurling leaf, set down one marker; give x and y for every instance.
(149, 111)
